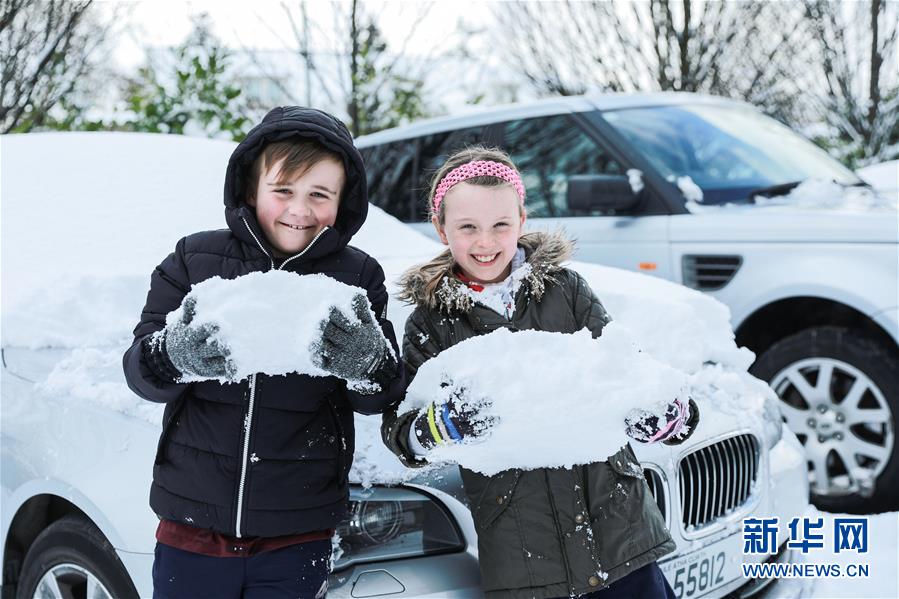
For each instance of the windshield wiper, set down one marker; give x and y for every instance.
(781, 189)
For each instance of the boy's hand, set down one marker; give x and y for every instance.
(182, 349)
(676, 427)
(453, 420)
(355, 351)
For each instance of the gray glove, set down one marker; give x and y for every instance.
(184, 350)
(355, 351)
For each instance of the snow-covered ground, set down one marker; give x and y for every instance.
(86, 218)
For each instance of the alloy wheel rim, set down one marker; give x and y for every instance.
(70, 581)
(843, 421)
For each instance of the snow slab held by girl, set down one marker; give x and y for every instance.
(561, 400)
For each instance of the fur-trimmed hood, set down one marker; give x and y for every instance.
(434, 284)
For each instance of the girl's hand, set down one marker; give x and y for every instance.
(453, 421)
(676, 427)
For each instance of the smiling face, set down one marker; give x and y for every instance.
(481, 226)
(291, 213)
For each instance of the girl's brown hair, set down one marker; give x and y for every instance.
(469, 154)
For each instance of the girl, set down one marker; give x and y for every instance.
(589, 531)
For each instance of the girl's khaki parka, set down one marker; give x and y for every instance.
(548, 532)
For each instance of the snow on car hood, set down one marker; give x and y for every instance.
(78, 252)
(819, 211)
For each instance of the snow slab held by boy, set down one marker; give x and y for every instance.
(269, 321)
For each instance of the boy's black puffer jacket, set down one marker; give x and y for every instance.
(547, 532)
(268, 456)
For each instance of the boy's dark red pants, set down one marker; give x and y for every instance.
(297, 571)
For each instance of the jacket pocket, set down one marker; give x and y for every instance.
(342, 470)
(495, 497)
(630, 523)
(501, 547)
(167, 429)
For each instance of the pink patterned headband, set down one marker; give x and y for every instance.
(478, 168)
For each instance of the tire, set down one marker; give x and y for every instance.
(839, 391)
(73, 554)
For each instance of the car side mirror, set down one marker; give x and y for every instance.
(609, 193)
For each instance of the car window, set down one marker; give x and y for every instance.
(389, 168)
(399, 173)
(548, 150)
(728, 150)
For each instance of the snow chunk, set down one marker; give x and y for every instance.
(572, 388)
(270, 320)
(692, 192)
(635, 178)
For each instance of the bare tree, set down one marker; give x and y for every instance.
(48, 50)
(374, 86)
(857, 66)
(743, 49)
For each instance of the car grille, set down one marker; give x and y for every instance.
(657, 488)
(708, 273)
(717, 479)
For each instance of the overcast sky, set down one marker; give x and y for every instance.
(264, 24)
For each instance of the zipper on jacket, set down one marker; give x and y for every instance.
(558, 524)
(269, 256)
(248, 423)
(248, 417)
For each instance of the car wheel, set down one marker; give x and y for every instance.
(71, 559)
(839, 391)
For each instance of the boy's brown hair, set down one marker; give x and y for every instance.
(298, 155)
(464, 156)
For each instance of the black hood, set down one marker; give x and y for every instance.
(288, 122)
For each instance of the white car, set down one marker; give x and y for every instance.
(710, 193)
(86, 219)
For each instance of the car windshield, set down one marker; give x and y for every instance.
(728, 151)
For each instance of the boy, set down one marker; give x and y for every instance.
(250, 477)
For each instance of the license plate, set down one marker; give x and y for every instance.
(700, 572)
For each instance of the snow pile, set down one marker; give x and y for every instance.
(678, 326)
(822, 194)
(573, 388)
(102, 204)
(95, 376)
(269, 320)
(88, 311)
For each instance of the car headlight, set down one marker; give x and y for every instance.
(387, 523)
(773, 421)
